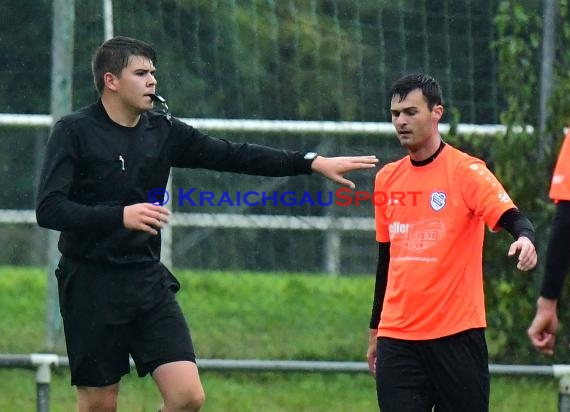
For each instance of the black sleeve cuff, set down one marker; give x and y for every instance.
(517, 224)
(109, 217)
(301, 164)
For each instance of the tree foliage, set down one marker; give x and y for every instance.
(514, 157)
(320, 60)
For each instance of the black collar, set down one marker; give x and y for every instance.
(102, 114)
(429, 159)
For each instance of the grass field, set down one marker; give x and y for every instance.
(243, 316)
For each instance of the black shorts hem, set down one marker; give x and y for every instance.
(149, 367)
(77, 383)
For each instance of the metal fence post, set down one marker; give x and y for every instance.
(564, 394)
(44, 363)
(43, 378)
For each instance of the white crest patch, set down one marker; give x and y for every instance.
(437, 200)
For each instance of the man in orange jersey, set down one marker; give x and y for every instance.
(427, 344)
(542, 331)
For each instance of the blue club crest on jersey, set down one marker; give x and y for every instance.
(437, 200)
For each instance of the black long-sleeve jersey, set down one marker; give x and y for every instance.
(94, 167)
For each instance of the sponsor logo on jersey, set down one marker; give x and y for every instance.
(398, 228)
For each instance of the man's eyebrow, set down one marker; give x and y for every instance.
(404, 109)
(142, 69)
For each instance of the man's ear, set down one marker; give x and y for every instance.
(437, 112)
(110, 81)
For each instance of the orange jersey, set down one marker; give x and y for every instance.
(435, 276)
(560, 184)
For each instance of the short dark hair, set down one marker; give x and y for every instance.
(115, 54)
(428, 85)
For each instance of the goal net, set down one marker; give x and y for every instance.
(294, 60)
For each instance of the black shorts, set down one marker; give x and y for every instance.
(450, 373)
(110, 312)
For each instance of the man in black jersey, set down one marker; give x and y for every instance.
(116, 298)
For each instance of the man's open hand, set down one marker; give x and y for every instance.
(336, 167)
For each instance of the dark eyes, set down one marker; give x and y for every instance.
(409, 113)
